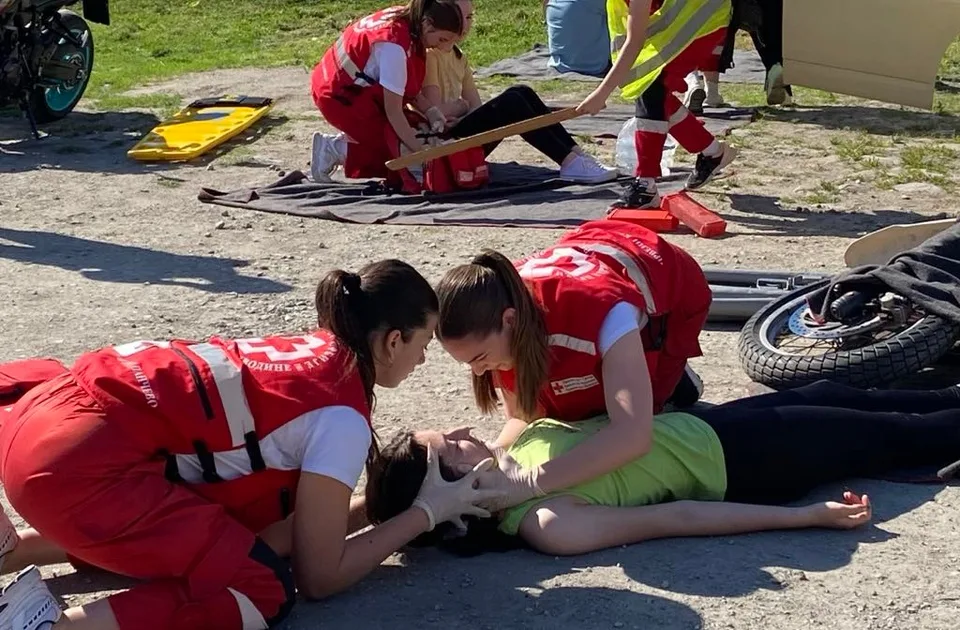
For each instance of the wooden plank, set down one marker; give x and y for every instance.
(481, 139)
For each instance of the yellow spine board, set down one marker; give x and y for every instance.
(198, 128)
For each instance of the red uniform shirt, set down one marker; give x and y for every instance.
(200, 399)
(340, 72)
(576, 283)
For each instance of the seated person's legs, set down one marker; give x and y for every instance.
(518, 103)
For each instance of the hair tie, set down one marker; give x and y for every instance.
(484, 260)
(352, 285)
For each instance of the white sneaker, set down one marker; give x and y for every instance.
(776, 90)
(27, 603)
(324, 156)
(586, 170)
(8, 537)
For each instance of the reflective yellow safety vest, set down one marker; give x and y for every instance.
(672, 28)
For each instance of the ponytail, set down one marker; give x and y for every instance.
(341, 309)
(473, 298)
(384, 296)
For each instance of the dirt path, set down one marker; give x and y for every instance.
(97, 249)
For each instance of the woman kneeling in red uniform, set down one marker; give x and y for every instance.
(161, 460)
(366, 78)
(602, 322)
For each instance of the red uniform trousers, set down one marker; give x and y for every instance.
(372, 140)
(659, 112)
(91, 483)
(671, 341)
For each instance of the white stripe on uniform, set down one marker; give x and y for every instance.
(633, 269)
(573, 343)
(229, 382)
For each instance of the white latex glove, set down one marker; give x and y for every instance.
(438, 122)
(452, 500)
(512, 483)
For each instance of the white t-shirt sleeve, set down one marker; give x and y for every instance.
(623, 318)
(336, 441)
(388, 65)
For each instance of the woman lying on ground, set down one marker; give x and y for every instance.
(723, 470)
(455, 105)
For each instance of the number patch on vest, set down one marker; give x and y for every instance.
(560, 261)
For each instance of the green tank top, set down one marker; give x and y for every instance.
(685, 462)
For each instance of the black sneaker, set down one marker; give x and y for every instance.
(688, 391)
(708, 167)
(638, 195)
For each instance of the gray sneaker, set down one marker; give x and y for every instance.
(27, 603)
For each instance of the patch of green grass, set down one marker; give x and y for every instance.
(827, 192)
(924, 163)
(164, 104)
(856, 147)
(950, 64)
(155, 39)
(928, 157)
(752, 95)
(169, 183)
(546, 88)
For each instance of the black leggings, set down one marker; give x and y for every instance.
(513, 105)
(780, 446)
(769, 41)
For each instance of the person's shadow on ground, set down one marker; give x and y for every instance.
(874, 120)
(732, 566)
(87, 142)
(774, 219)
(111, 262)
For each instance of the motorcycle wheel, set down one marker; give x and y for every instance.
(53, 103)
(782, 347)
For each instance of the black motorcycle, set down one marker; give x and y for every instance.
(46, 55)
(867, 327)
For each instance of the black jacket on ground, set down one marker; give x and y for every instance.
(928, 275)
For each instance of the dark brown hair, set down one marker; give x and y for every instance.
(473, 298)
(393, 483)
(384, 296)
(443, 15)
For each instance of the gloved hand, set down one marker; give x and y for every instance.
(512, 483)
(438, 122)
(451, 501)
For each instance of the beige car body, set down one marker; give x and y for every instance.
(886, 50)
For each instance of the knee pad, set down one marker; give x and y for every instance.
(261, 553)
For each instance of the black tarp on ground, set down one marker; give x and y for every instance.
(519, 196)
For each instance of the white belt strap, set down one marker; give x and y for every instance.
(629, 264)
(229, 382)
